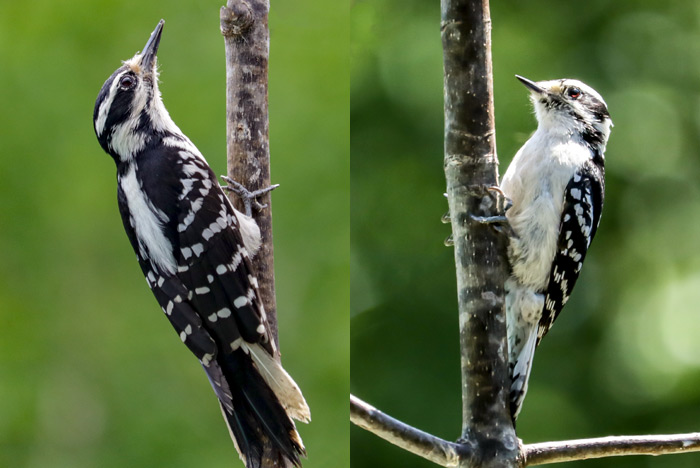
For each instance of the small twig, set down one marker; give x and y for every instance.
(583, 449)
(402, 435)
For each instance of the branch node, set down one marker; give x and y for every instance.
(236, 18)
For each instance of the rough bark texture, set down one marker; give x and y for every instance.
(471, 167)
(247, 39)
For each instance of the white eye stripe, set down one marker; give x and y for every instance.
(105, 106)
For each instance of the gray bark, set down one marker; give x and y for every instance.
(471, 167)
(247, 38)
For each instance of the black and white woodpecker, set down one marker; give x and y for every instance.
(556, 185)
(194, 249)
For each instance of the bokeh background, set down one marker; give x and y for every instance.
(91, 373)
(624, 357)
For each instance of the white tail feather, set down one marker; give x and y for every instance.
(281, 383)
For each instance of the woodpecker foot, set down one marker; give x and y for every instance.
(446, 219)
(249, 198)
(499, 222)
(504, 203)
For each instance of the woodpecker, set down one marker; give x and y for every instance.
(556, 186)
(195, 251)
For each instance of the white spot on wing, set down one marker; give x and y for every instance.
(198, 249)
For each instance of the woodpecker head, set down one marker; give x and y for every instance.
(129, 112)
(571, 107)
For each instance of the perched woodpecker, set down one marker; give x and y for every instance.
(194, 249)
(556, 185)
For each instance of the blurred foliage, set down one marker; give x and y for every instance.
(625, 355)
(91, 373)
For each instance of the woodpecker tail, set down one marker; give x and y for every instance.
(523, 309)
(520, 366)
(258, 401)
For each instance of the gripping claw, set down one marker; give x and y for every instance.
(249, 198)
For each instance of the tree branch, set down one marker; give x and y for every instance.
(471, 166)
(246, 36)
(582, 449)
(402, 435)
(449, 454)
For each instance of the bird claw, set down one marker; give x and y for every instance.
(248, 197)
(449, 241)
(506, 204)
(499, 222)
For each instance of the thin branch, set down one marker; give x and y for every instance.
(447, 454)
(246, 36)
(471, 166)
(402, 435)
(583, 449)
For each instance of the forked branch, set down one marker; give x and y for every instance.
(445, 453)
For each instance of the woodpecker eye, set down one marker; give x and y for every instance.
(127, 82)
(574, 93)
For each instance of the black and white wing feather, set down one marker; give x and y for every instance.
(583, 205)
(211, 298)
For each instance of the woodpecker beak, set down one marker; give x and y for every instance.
(531, 84)
(148, 56)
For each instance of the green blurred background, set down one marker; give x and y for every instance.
(624, 356)
(91, 373)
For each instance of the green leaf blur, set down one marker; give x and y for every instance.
(624, 357)
(91, 373)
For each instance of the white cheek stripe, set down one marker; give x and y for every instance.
(148, 224)
(104, 107)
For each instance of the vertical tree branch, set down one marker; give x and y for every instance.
(247, 39)
(471, 167)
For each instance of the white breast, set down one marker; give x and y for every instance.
(535, 181)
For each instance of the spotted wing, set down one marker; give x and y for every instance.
(214, 264)
(583, 204)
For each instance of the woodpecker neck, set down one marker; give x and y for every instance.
(569, 126)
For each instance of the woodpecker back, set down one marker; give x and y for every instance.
(556, 184)
(194, 249)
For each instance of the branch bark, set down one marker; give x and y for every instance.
(471, 167)
(402, 435)
(584, 449)
(247, 42)
(450, 454)
(246, 36)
